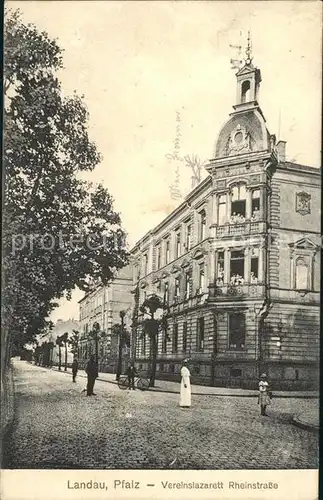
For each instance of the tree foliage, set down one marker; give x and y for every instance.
(60, 231)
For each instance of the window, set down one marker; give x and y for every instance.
(177, 287)
(188, 238)
(143, 345)
(178, 244)
(220, 269)
(255, 204)
(145, 264)
(235, 372)
(222, 210)
(197, 370)
(201, 278)
(238, 204)
(175, 337)
(245, 91)
(188, 284)
(302, 274)
(167, 252)
(237, 267)
(237, 331)
(158, 263)
(200, 334)
(184, 336)
(164, 342)
(254, 271)
(202, 224)
(161, 367)
(166, 293)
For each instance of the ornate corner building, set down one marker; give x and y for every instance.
(238, 263)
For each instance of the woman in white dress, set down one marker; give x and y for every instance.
(185, 397)
(264, 394)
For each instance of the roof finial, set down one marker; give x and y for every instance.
(249, 50)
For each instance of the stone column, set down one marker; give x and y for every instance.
(228, 205)
(226, 266)
(248, 203)
(261, 262)
(262, 208)
(247, 265)
(214, 219)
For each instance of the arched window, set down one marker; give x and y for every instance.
(302, 274)
(245, 91)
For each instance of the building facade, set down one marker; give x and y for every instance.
(238, 263)
(102, 306)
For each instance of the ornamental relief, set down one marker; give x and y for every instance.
(238, 142)
(303, 203)
(236, 171)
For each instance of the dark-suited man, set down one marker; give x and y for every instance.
(131, 372)
(92, 374)
(75, 367)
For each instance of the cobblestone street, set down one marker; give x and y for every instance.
(57, 426)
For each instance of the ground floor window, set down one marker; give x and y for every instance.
(143, 345)
(164, 341)
(175, 338)
(200, 334)
(184, 336)
(237, 331)
(302, 272)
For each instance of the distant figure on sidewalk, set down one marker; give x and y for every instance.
(185, 397)
(75, 367)
(92, 374)
(131, 372)
(264, 394)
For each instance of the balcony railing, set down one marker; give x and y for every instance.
(247, 227)
(230, 291)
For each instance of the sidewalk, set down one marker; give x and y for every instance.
(174, 387)
(309, 420)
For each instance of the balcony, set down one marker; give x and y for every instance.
(236, 292)
(244, 228)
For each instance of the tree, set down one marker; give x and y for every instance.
(74, 342)
(60, 232)
(123, 341)
(151, 327)
(65, 342)
(59, 343)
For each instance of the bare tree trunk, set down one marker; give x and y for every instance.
(65, 368)
(119, 365)
(154, 344)
(59, 358)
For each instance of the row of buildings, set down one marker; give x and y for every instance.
(237, 263)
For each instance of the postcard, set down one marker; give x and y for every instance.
(161, 250)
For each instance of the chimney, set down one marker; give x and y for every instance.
(281, 150)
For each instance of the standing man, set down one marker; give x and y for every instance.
(75, 367)
(92, 374)
(131, 372)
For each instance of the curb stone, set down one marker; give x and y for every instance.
(154, 389)
(304, 425)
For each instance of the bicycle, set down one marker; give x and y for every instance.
(140, 382)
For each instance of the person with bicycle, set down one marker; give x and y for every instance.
(131, 372)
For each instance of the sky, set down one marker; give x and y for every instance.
(138, 64)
